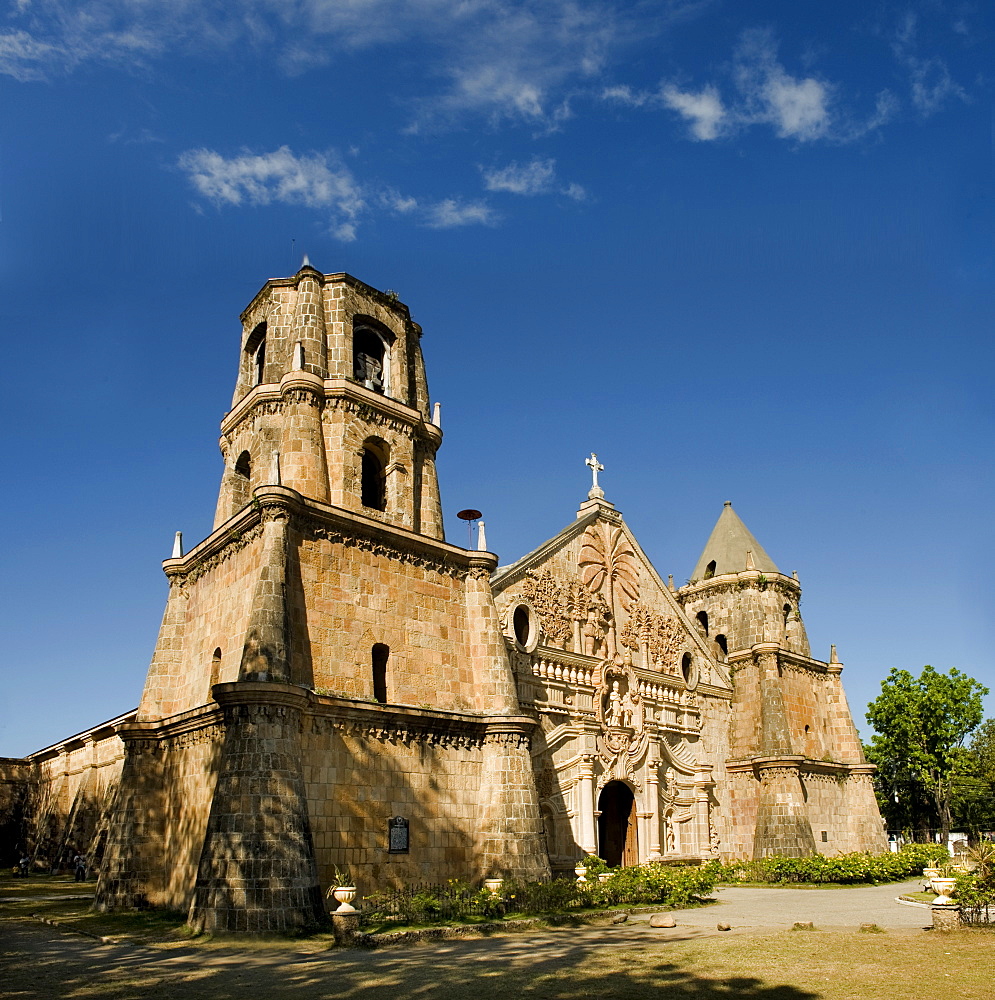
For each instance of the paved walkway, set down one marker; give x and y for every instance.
(780, 908)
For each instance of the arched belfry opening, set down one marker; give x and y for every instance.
(617, 835)
(371, 356)
(241, 482)
(710, 570)
(255, 355)
(373, 474)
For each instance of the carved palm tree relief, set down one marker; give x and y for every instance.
(608, 566)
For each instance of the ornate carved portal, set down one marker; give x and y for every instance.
(617, 825)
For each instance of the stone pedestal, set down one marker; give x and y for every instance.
(946, 917)
(345, 926)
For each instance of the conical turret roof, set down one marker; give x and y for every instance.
(727, 547)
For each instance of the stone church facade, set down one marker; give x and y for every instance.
(335, 685)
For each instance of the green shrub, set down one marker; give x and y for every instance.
(843, 869)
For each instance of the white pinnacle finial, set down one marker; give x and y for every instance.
(178, 545)
(481, 537)
(306, 262)
(437, 415)
(595, 492)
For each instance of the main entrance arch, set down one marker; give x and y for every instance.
(617, 825)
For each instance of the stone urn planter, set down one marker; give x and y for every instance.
(493, 885)
(931, 873)
(581, 872)
(344, 895)
(604, 876)
(944, 888)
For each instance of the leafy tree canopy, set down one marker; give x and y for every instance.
(921, 725)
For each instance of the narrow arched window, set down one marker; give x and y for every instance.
(721, 647)
(255, 351)
(702, 619)
(374, 486)
(686, 667)
(380, 656)
(215, 668)
(710, 570)
(369, 358)
(241, 482)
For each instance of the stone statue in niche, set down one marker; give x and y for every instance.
(597, 627)
(614, 713)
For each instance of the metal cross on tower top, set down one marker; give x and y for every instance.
(596, 491)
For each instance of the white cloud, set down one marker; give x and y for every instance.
(762, 92)
(930, 84)
(704, 110)
(314, 180)
(530, 178)
(318, 181)
(453, 212)
(796, 108)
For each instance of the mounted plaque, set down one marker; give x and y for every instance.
(397, 835)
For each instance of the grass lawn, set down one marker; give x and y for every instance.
(157, 961)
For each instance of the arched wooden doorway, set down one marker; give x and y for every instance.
(617, 825)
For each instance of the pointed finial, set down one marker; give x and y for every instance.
(750, 564)
(178, 545)
(298, 357)
(728, 503)
(833, 658)
(306, 262)
(276, 468)
(794, 574)
(481, 537)
(670, 583)
(595, 492)
(437, 415)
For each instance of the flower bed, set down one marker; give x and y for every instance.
(457, 902)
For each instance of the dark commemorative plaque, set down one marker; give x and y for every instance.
(397, 835)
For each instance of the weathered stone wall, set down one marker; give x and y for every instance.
(18, 786)
(356, 781)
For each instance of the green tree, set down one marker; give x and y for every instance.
(920, 725)
(974, 789)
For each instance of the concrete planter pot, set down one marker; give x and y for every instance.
(493, 885)
(944, 888)
(344, 895)
(581, 872)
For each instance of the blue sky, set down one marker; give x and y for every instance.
(741, 251)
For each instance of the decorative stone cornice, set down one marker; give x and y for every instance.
(729, 583)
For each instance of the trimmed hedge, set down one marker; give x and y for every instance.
(843, 869)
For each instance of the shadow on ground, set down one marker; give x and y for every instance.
(607, 963)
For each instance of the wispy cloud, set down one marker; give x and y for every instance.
(314, 180)
(317, 181)
(538, 176)
(930, 84)
(759, 91)
(504, 59)
(704, 110)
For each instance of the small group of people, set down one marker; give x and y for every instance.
(79, 865)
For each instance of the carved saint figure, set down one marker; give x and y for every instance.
(614, 716)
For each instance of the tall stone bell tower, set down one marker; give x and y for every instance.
(327, 660)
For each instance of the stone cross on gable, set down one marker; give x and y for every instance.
(596, 491)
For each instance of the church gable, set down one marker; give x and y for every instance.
(593, 592)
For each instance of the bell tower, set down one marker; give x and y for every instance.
(331, 401)
(327, 661)
(796, 764)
